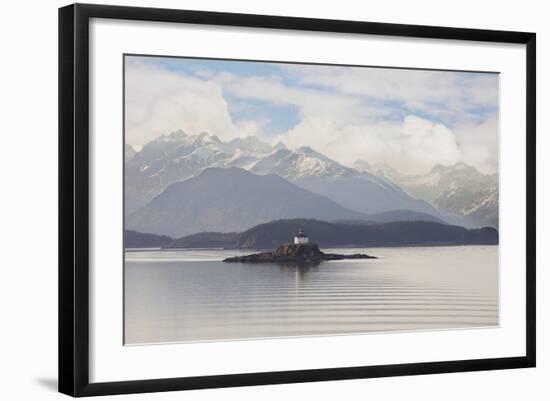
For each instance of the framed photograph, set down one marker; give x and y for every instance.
(251, 199)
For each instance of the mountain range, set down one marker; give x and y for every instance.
(177, 156)
(361, 191)
(460, 192)
(231, 199)
(181, 184)
(338, 234)
(135, 239)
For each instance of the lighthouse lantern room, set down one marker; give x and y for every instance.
(301, 237)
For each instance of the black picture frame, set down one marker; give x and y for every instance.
(74, 198)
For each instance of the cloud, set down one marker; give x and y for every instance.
(479, 143)
(308, 101)
(410, 119)
(252, 127)
(413, 145)
(159, 101)
(451, 96)
(347, 123)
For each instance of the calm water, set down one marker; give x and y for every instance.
(190, 295)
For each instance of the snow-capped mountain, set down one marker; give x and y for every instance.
(363, 192)
(129, 153)
(178, 156)
(459, 190)
(300, 163)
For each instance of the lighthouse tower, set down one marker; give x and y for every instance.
(301, 237)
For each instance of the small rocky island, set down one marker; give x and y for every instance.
(301, 251)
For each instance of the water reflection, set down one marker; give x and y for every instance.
(299, 270)
(193, 296)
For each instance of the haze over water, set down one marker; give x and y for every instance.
(191, 295)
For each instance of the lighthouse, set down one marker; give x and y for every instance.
(301, 237)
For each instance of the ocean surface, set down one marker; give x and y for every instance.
(191, 295)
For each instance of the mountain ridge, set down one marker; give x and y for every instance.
(336, 234)
(177, 156)
(230, 199)
(458, 190)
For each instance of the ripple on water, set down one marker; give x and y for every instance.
(194, 296)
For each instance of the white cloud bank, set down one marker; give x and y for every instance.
(413, 145)
(341, 112)
(159, 102)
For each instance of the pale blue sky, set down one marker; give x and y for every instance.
(283, 117)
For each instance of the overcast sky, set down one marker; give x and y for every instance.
(409, 119)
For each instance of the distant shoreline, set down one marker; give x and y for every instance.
(328, 247)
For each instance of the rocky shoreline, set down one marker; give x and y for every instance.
(294, 253)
